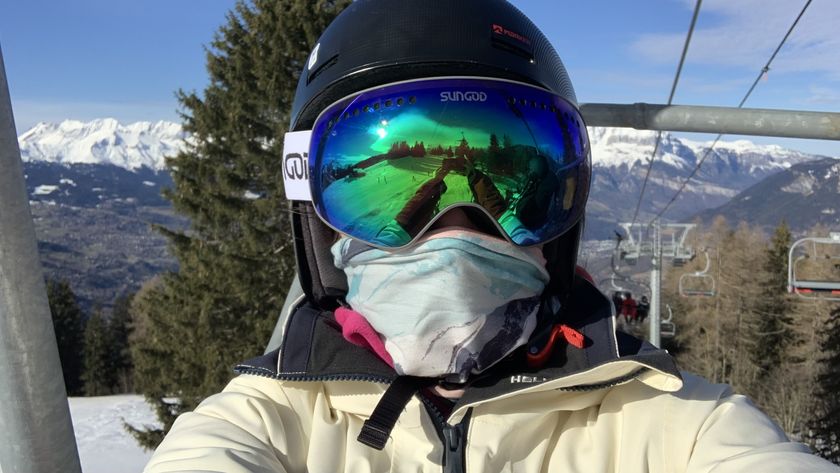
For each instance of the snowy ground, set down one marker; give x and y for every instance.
(104, 445)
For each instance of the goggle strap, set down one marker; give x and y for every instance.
(296, 165)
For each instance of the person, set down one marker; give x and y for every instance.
(643, 309)
(541, 186)
(617, 300)
(465, 346)
(424, 205)
(629, 308)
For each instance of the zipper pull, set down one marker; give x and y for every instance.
(453, 437)
(453, 448)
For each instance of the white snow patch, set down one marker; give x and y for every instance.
(44, 190)
(69, 182)
(149, 183)
(104, 445)
(803, 184)
(97, 189)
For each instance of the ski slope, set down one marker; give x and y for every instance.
(104, 445)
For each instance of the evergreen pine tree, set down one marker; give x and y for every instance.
(773, 309)
(826, 428)
(68, 320)
(494, 143)
(236, 261)
(507, 143)
(119, 332)
(98, 374)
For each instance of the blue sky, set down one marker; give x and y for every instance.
(91, 59)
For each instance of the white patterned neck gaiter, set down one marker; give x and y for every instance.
(454, 304)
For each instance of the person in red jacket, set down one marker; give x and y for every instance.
(629, 307)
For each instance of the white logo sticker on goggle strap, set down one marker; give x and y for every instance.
(296, 165)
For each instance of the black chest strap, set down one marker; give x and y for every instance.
(377, 429)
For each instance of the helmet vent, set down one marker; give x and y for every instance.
(311, 75)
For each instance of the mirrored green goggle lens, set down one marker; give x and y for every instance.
(387, 162)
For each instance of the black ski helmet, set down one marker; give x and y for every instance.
(377, 42)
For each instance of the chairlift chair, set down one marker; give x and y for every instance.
(667, 328)
(629, 249)
(629, 253)
(619, 284)
(675, 243)
(615, 287)
(820, 288)
(698, 283)
(681, 257)
(680, 254)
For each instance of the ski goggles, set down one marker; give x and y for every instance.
(383, 165)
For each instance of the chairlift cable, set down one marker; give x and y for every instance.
(766, 67)
(670, 99)
(761, 74)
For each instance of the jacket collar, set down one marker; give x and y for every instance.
(313, 349)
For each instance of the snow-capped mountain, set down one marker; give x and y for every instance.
(105, 141)
(95, 193)
(616, 147)
(620, 158)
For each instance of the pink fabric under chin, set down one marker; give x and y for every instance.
(356, 330)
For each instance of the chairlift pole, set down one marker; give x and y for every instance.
(36, 433)
(655, 284)
(717, 328)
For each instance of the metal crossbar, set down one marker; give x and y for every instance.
(726, 120)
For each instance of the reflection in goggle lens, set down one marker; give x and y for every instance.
(388, 161)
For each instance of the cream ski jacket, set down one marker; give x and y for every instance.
(617, 405)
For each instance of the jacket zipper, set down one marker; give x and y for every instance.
(454, 438)
(454, 453)
(303, 377)
(607, 384)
